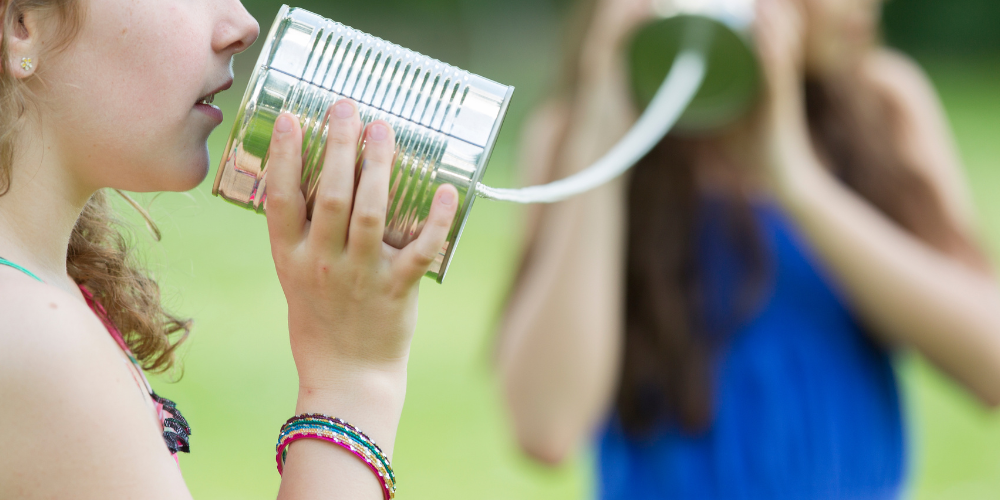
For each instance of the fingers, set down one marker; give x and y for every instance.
(334, 194)
(780, 38)
(284, 204)
(415, 259)
(364, 241)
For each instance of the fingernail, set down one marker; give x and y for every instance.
(284, 124)
(343, 109)
(378, 132)
(447, 197)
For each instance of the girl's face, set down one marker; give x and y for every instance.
(121, 105)
(839, 32)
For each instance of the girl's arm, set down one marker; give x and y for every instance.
(352, 299)
(561, 338)
(945, 305)
(73, 422)
(924, 133)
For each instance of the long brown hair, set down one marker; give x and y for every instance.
(100, 256)
(668, 353)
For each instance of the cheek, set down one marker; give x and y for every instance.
(134, 95)
(154, 74)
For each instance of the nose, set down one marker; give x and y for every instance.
(236, 29)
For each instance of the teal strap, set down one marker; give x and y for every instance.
(5, 262)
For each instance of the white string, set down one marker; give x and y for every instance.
(678, 89)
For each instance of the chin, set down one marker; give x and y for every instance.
(188, 175)
(194, 176)
(194, 181)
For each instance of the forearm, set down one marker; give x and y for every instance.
(908, 292)
(372, 401)
(562, 339)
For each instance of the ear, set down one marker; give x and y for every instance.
(24, 44)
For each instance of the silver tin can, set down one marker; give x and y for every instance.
(732, 82)
(446, 119)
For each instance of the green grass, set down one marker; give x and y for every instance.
(957, 442)
(239, 382)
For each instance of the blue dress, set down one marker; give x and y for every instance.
(806, 406)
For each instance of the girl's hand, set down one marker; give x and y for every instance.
(615, 20)
(352, 299)
(613, 24)
(779, 32)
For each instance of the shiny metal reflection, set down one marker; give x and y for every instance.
(446, 119)
(732, 82)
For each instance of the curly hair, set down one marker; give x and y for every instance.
(100, 256)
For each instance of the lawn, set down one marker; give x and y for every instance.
(956, 441)
(239, 383)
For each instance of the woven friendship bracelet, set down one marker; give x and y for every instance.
(363, 448)
(322, 422)
(319, 419)
(363, 452)
(340, 440)
(327, 431)
(336, 431)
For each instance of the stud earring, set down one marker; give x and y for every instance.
(26, 63)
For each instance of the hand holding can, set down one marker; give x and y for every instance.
(351, 297)
(445, 120)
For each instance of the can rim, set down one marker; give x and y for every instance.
(466, 208)
(265, 53)
(735, 34)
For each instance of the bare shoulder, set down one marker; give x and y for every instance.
(47, 334)
(41, 323)
(905, 84)
(901, 77)
(924, 129)
(70, 405)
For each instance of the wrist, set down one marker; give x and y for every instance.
(326, 349)
(804, 186)
(370, 398)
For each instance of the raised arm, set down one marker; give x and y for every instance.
(944, 303)
(73, 422)
(352, 299)
(561, 338)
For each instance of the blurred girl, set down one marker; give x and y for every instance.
(721, 321)
(98, 94)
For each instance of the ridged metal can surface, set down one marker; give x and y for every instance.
(446, 119)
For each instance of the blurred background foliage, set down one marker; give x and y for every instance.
(454, 442)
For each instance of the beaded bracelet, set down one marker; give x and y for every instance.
(336, 431)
